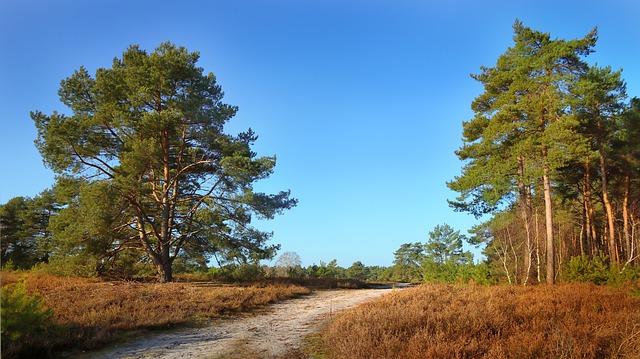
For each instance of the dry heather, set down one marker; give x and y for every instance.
(91, 311)
(448, 321)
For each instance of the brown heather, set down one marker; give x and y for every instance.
(449, 321)
(92, 311)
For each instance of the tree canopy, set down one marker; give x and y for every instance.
(143, 154)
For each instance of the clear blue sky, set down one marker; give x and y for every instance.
(362, 102)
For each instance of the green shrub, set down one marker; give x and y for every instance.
(8, 265)
(585, 269)
(481, 274)
(451, 272)
(237, 273)
(621, 274)
(68, 266)
(597, 270)
(27, 323)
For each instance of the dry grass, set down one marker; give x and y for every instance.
(92, 312)
(448, 321)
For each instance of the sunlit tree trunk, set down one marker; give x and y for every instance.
(525, 212)
(590, 231)
(625, 217)
(611, 231)
(538, 261)
(551, 271)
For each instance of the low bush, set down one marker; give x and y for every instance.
(237, 273)
(597, 270)
(68, 266)
(27, 323)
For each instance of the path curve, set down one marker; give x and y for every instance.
(268, 335)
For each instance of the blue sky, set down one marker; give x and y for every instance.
(362, 102)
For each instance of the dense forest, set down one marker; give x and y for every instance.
(149, 184)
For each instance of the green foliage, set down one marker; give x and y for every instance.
(8, 265)
(599, 271)
(325, 270)
(407, 262)
(622, 274)
(585, 269)
(444, 258)
(145, 165)
(357, 271)
(551, 135)
(26, 320)
(24, 234)
(481, 274)
(69, 266)
(237, 272)
(445, 246)
(440, 259)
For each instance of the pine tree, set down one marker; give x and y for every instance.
(148, 134)
(522, 131)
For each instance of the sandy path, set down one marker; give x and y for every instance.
(269, 335)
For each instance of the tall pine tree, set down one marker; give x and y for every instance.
(523, 131)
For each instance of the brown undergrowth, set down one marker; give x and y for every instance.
(91, 312)
(449, 321)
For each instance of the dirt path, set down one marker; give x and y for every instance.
(268, 335)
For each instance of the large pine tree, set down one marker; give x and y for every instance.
(522, 131)
(146, 149)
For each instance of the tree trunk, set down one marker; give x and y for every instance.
(160, 259)
(537, 229)
(525, 206)
(163, 264)
(589, 239)
(551, 271)
(625, 217)
(165, 272)
(528, 259)
(613, 247)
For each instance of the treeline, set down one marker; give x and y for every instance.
(552, 158)
(28, 243)
(33, 238)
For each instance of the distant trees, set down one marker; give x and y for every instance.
(25, 237)
(407, 261)
(547, 154)
(357, 271)
(289, 264)
(147, 168)
(440, 258)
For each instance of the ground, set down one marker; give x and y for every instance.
(273, 333)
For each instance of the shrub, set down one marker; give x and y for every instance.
(237, 273)
(481, 274)
(68, 266)
(26, 320)
(596, 270)
(583, 269)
